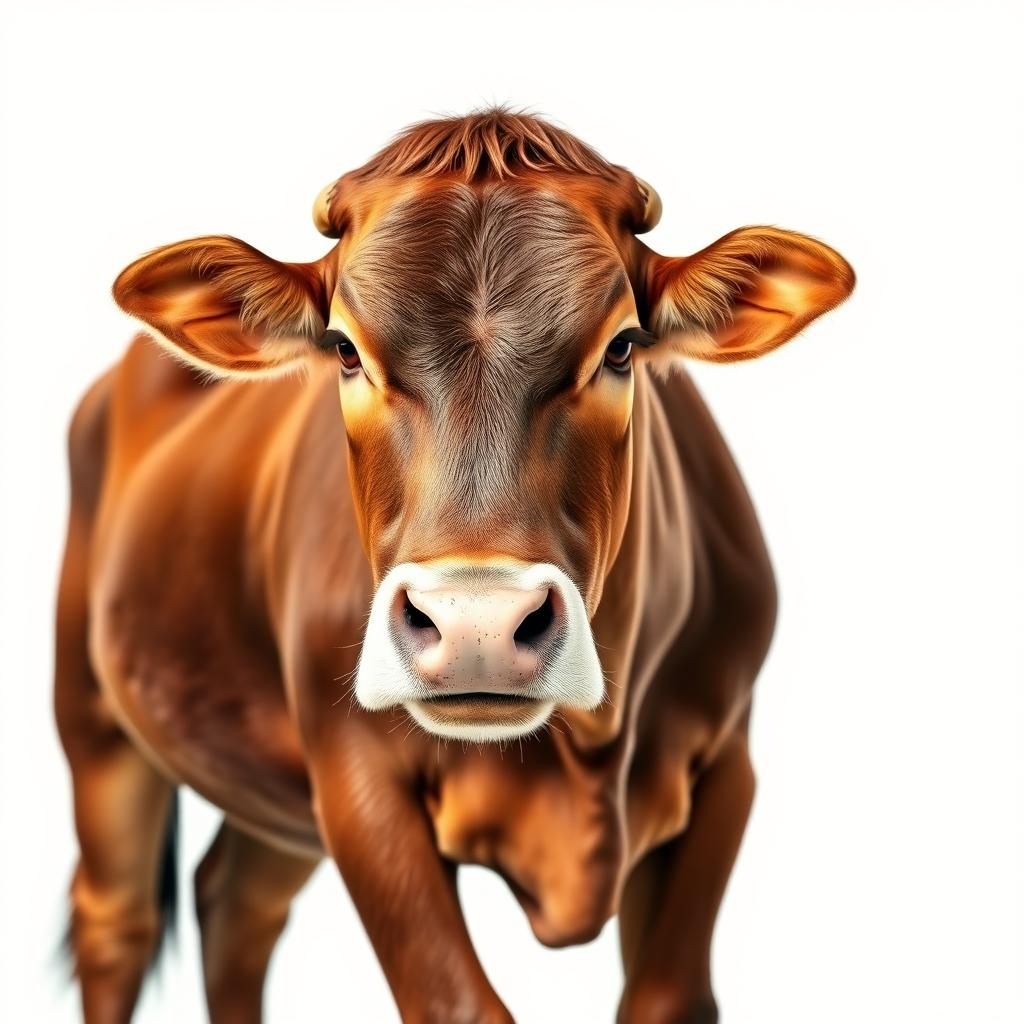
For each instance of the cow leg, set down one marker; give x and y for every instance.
(121, 812)
(672, 898)
(243, 889)
(121, 802)
(378, 832)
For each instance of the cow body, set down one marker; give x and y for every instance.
(227, 541)
(220, 487)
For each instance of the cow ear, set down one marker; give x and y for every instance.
(226, 307)
(743, 296)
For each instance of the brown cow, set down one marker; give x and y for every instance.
(542, 523)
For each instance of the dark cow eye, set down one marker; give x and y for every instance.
(617, 355)
(348, 356)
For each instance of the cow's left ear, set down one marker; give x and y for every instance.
(227, 308)
(743, 296)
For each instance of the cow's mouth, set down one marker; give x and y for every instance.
(479, 708)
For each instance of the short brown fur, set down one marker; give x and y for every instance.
(223, 551)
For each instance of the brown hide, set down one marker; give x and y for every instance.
(223, 554)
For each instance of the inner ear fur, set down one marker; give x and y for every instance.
(226, 307)
(744, 295)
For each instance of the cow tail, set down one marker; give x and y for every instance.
(167, 883)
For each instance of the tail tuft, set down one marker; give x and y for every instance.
(167, 884)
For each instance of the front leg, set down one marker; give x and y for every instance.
(379, 834)
(672, 897)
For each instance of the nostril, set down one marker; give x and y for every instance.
(533, 628)
(417, 619)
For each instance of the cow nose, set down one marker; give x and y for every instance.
(491, 640)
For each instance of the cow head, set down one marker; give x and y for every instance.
(488, 307)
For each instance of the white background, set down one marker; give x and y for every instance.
(881, 875)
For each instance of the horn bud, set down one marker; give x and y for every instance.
(652, 206)
(322, 212)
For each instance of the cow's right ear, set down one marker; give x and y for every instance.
(222, 305)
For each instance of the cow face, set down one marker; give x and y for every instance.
(484, 336)
(488, 308)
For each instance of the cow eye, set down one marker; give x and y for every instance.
(348, 356)
(618, 354)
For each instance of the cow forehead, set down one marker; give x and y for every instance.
(479, 300)
(502, 272)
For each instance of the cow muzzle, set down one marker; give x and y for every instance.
(478, 651)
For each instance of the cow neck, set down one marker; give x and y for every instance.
(657, 506)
